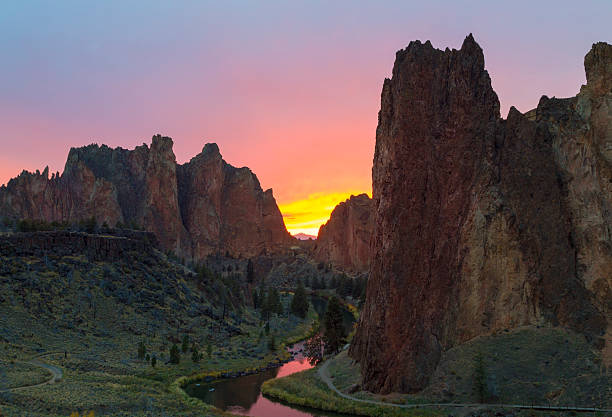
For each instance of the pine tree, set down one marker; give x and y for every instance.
(209, 350)
(142, 350)
(175, 356)
(272, 343)
(274, 303)
(250, 273)
(185, 345)
(153, 361)
(299, 303)
(333, 328)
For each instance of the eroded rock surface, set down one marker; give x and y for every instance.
(481, 223)
(345, 239)
(202, 207)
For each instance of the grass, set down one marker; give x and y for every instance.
(17, 374)
(99, 313)
(529, 365)
(306, 389)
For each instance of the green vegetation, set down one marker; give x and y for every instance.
(306, 389)
(529, 365)
(17, 374)
(141, 350)
(334, 334)
(480, 382)
(299, 302)
(109, 316)
(175, 356)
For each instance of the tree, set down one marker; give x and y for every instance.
(299, 303)
(333, 328)
(209, 350)
(90, 225)
(175, 356)
(196, 356)
(273, 302)
(314, 349)
(142, 350)
(250, 273)
(267, 328)
(153, 361)
(271, 343)
(255, 299)
(480, 384)
(185, 345)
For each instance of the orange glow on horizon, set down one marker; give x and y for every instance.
(308, 214)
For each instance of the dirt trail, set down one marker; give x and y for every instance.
(56, 373)
(324, 375)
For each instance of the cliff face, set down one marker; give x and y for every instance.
(345, 239)
(481, 223)
(202, 207)
(224, 207)
(63, 243)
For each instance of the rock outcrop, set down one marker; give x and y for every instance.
(345, 239)
(59, 243)
(224, 207)
(195, 209)
(480, 223)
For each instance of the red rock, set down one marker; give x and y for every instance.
(345, 239)
(481, 223)
(195, 209)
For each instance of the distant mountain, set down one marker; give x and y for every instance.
(304, 236)
(202, 207)
(345, 239)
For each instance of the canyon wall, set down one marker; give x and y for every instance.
(202, 207)
(481, 223)
(345, 239)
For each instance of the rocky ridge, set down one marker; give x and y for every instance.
(483, 224)
(199, 208)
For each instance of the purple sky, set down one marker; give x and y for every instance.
(290, 89)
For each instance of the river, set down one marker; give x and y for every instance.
(242, 395)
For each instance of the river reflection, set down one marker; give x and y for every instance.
(243, 396)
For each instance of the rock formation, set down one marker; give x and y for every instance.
(60, 243)
(481, 223)
(204, 206)
(345, 239)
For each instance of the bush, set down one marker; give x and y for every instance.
(142, 350)
(272, 343)
(175, 356)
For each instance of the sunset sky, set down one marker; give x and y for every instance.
(290, 89)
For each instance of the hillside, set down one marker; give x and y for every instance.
(85, 301)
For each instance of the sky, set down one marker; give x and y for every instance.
(290, 89)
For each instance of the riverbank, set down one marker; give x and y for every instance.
(306, 389)
(106, 377)
(558, 379)
(276, 358)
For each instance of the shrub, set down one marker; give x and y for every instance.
(175, 356)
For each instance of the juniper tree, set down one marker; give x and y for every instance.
(175, 356)
(299, 303)
(333, 328)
